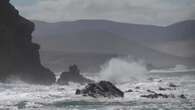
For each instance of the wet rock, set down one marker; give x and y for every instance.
(172, 85)
(101, 89)
(19, 56)
(164, 89)
(157, 95)
(78, 92)
(73, 75)
(130, 90)
(182, 96)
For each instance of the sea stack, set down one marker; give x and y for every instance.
(73, 75)
(18, 55)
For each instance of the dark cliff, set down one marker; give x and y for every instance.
(18, 55)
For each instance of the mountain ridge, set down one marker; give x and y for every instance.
(136, 32)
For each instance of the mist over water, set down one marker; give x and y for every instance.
(122, 70)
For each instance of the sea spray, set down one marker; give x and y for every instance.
(122, 70)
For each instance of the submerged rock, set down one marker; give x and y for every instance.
(19, 56)
(101, 89)
(73, 75)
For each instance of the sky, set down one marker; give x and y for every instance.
(154, 12)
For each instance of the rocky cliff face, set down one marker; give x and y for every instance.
(18, 55)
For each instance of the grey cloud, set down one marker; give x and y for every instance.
(159, 12)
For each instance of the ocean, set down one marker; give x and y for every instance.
(19, 95)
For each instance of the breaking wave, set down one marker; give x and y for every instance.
(122, 70)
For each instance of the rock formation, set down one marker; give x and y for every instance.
(101, 89)
(73, 75)
(18, 55)
(158, 95)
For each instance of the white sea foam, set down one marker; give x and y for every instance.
(37, 96)
(121, 70)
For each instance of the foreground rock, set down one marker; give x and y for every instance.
(101, 89)
(73, 75)
(18, 55)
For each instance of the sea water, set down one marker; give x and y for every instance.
(19, 95)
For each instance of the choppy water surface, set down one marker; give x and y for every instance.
(55, 97)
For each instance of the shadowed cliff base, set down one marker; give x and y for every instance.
(18, 55)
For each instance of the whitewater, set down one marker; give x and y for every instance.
(125, 73)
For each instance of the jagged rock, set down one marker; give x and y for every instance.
(73, 75)
(18, 55)
(101, 89)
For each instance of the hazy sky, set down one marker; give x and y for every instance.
(158, 12)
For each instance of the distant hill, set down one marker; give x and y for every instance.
(106, 38)
(145, 33)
